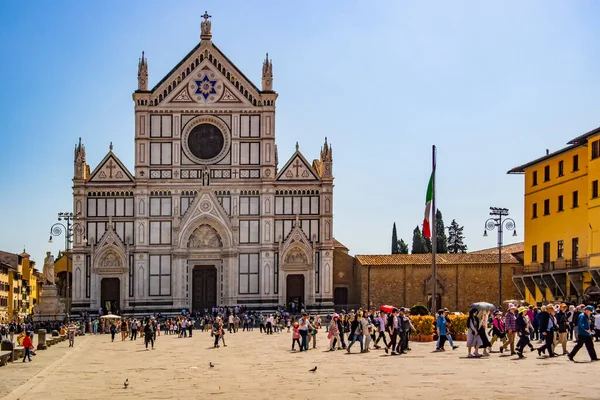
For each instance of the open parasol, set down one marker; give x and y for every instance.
(482, 305)
(387, 309)
(111, 316)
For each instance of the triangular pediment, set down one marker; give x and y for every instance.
(297, 169)
(296, 246)
(111, 238)
(111, 169)
(204, 210)
(188, 74)
(206, 86)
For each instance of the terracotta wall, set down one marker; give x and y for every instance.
(459, 285)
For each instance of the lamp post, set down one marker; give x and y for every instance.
(59, 228)
(499, 221)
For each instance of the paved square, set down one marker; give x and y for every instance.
(256, 366)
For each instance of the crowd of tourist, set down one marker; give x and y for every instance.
(550, 326)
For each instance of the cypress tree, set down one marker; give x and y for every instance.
(402, 247)
(418, 242)
(442, 240)
(395, 249)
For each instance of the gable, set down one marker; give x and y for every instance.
(185, 72)
(205, 85)
(111, 169)
(297, 169)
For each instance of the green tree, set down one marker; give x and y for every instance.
(440, 232)
(418, 243)
(456, 238)
(395, 249)
(402, 247)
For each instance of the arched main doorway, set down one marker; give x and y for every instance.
(295, 292)
(110, 295)
(204, 287)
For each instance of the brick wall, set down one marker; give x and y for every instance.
(459, 285)
(345, 275)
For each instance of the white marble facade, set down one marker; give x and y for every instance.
(207, 217)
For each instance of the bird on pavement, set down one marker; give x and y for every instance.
(126, 383)
(211, 364)
(313, 370)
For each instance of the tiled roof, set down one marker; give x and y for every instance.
(441, 259)
(338, 245)
(521, 168)
(10, 259)
(582, 139)
(506, 249)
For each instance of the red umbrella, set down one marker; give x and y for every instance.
(387, 309)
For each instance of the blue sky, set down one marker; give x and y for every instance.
(492, 84)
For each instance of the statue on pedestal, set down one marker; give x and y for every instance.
(49, 269)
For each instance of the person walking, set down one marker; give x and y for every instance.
(584, 335)
(71, 333)
(498, 331)
(392, 326)
(28, 345)
(356, 329)
(563, 327)
(380, 321)
(303, 328)
(510, 322)
(440, 326)
(366, 326)
(123, 329)
(483, 322)
(149, 334)
(295, 337)
(113, 331)
(333, 333)
(522, 327)
(473, 339)
(134, 329)
(547, 328)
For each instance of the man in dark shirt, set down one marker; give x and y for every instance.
(563, 327)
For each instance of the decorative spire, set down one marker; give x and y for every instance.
(110, 146)
(80, 167)
(267, 74)
(205, 33)
(326, 160)
(297, 146)
(143, 73)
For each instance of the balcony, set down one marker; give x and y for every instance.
(558, 265)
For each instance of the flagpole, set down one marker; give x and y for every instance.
(433, 236)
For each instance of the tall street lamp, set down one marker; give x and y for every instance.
(499, 221)
(59, 228)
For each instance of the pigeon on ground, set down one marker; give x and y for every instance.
(211, 364)
(313, 370)
(126, 383)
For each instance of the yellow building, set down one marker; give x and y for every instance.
(21, 284)
(29, 283)
(562, 224)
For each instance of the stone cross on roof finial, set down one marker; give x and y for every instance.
(297, 146)
(205, 27)
(110, 146)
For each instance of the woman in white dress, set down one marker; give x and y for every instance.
(473, 338)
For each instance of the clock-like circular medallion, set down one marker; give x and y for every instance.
(206, 139)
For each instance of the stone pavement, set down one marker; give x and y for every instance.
(257, 366)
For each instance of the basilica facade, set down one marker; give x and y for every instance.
(206, 217)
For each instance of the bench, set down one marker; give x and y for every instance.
(19, 352)
(5, 356)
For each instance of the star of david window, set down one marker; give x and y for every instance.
(206, 87)
(205, 141)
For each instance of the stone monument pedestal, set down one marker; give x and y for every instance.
(50, 308)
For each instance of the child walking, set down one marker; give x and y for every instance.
(296, 337)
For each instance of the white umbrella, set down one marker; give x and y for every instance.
(111, 316)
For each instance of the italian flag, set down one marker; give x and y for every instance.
(428, 200)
